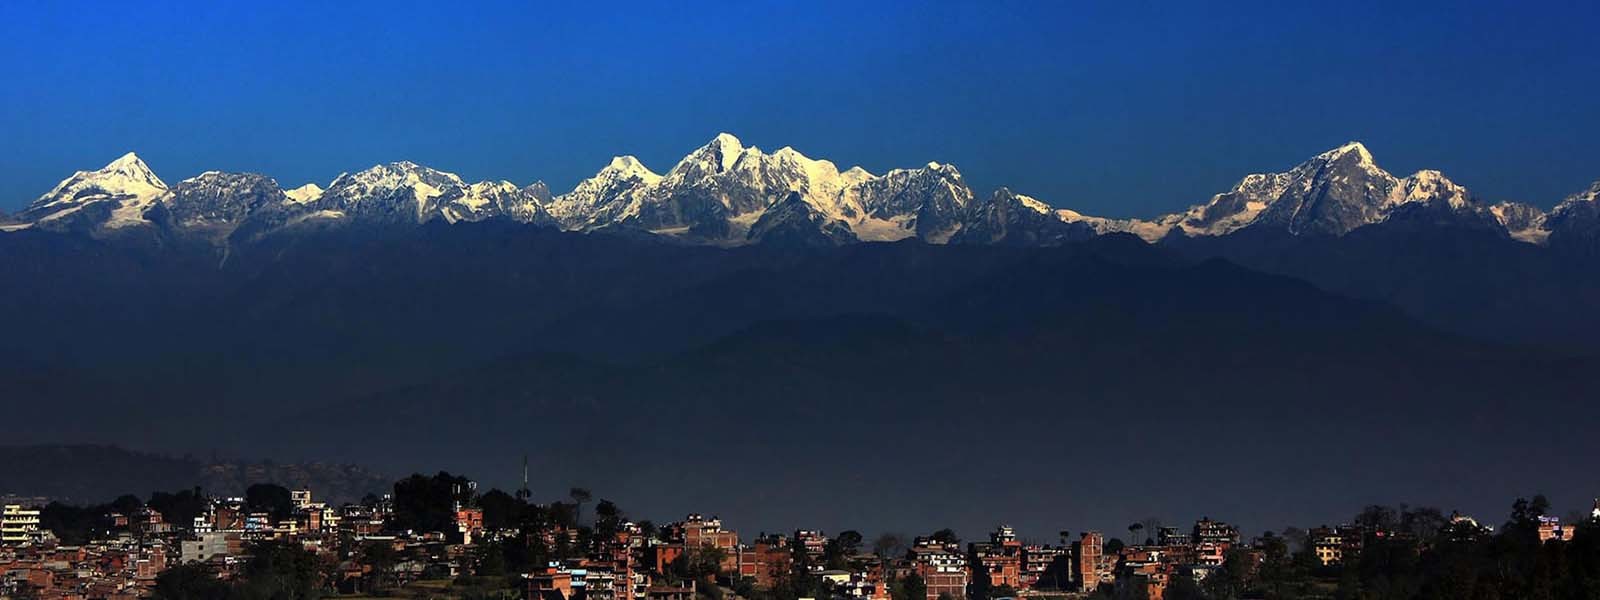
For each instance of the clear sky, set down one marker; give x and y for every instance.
(1116, 108)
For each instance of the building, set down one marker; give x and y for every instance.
(208, 546)
(19, 525)
(1550, 528)
(550, 583)
(1000, 559)
(699, 531)
(469, 522)
(1086, 560)
(1328, 545)
(942, 569)
(1036, 562)
(1207, 531)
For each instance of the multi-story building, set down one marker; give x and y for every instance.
(1087, 566)
(19, 525)
(469, 521)
(699, 531)
(772, 559)
(1207, 531)
(1328, 544)
(813, 543)
(1000, 559)
(942, 569)
(1550, 528)
(1172, 536)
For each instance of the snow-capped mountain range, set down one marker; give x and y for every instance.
(726, 193)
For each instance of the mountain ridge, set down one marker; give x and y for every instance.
(717, 193)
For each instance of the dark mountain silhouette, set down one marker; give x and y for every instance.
(766, 381)
(90, 474)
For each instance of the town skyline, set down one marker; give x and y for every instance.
(446, 533)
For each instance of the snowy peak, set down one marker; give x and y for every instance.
(130, 166)
(397, 192)
(715, 157)
(625, 167)
(728, 149)
(114, 196)
(1331, 194)
(1355, 150)
(306, 193)
(391, 178)
(1429, 186)
(539, 191)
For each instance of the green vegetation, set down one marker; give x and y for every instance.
(276, 571)
(1409, 553)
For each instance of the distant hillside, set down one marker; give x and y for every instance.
(90, 473)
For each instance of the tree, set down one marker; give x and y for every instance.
(429, 503)
(1113, 546)
(281, 571)
(946, 536)
(1152, 529)
(180, 508)
(126, 504)
(189, 582)
(72, 524)
(382, 558)
(501, 510)
(836, 554)
(887, 545)
(704, 563)
(1183, 588)
(579, 496)
(1133, 532)
(910, 587)
(849, 541)
(269, 498)
(608, 520)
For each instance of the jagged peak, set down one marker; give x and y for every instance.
(496, 184)
(716, 156)
(214, 175)
(1003, 194)
(1592, 194)
(406, 167)
(726, 140)
(1352, 147)
(1429, 185)
(728, 149)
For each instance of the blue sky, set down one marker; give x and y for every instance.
(1116, 108)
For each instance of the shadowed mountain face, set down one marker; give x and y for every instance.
(90, 474)
(906, 384)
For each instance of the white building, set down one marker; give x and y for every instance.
(18, 525)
